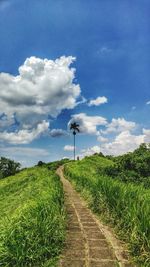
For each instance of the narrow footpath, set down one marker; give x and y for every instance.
(88, 243)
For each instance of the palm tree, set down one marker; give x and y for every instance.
(75, 127)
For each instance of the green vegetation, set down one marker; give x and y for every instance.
(8, 167)
(132, 167)
(32, 218)
(124, 204)
(55, 164)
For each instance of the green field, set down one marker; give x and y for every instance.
(32, 212)
(32, 218)
(124, 205)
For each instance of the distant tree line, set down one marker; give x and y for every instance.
(52, 165)
(8, 167)
(132, 167)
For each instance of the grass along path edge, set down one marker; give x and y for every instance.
(32, 218)
(125, 206)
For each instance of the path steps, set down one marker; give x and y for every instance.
(87, 243)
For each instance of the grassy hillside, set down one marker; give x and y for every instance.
(124, 205)
(32, 218)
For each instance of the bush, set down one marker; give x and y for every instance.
(8, 167)
(40, 163)
(132, 167)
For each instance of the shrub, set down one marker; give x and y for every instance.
(40, 163)
(8, 167)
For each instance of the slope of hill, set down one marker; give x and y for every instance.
(125, 205)
(32, 218)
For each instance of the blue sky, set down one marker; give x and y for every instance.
(107, 43)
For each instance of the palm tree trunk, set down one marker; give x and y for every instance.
(74, 147)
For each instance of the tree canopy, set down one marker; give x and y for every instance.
(133, 166)
(8, 167)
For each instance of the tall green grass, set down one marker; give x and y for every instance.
(127, 206)
(32, 218)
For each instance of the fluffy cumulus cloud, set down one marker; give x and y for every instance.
(68, 148)
(88, 124)
(43, 87)
(148, 103)
(24, 136)
(102, 139)
(146, 133)
(119, 125)
(122, 140)
(98, 101)
(125, 142)
(90, 151)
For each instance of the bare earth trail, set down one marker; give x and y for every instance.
(88, 242)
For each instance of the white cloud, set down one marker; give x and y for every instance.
(146, 133)
(98, 101)
(24, 151)
(24, 136)
(6, 121)
(119, 125)
(124, 142)
(148, 103)
(90, 151)
(27, 156)
(88, 124)
(68, 148)
(42, 87)
(58, 133)
(102, 139)
(104, 50)
(81, 101)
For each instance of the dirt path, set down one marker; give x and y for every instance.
(88, 242)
